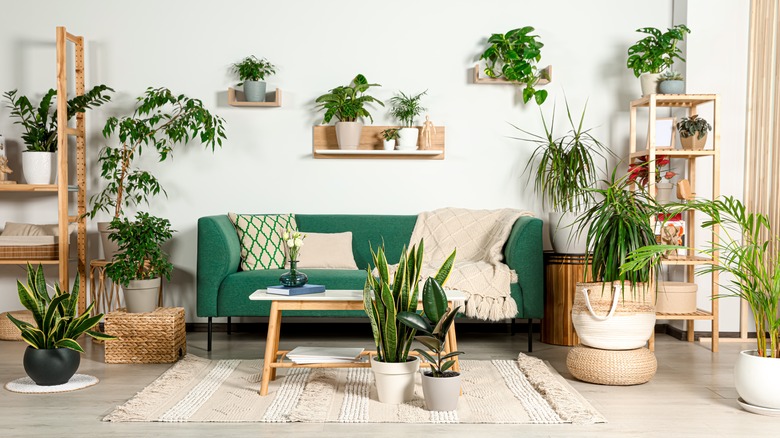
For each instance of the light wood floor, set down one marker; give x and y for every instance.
(691, 395)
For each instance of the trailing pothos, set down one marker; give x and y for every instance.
(514, 56)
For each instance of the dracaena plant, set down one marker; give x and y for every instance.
(434, 324)
(253, 69)
(385, 296)
(40, 124)
(514, 56)
(160, 121)
(348, 103)
(657, 51)
(57, 322)
(406, 107)
(140, 254)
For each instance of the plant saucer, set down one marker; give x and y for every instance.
(758, 409)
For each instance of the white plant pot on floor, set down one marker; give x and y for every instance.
(757, 380)
(141, 296)
(441, 393)
(39, 167)
(564, 236)
(348, 134)
(395, 380)
(407, 138)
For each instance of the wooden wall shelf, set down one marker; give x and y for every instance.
(324, 145)
(546, 77)
(236, 98)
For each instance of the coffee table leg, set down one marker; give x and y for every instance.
(276, 340)
(271, 346)
(452, 345)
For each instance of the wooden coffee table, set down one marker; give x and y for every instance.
(329, 300)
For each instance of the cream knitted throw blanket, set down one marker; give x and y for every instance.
(479, 271)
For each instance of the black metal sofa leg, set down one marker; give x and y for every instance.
(228, 327)
(530, 335)
(208, 347)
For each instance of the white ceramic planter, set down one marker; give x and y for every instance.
(395, 381)
(254, 91)
(348, 134)
(564, 236)
(441, 393)
(110, 248)
(388, 145)
(407, 138)
(649, 83)
(757, 379)
(664, 193)
(39, 167)
(141, 295)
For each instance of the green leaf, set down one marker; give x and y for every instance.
(434, 300)
(69, 343)
(415, 321)
(433, 343)
(541, 96)
(425, 354)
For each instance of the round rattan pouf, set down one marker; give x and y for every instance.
(8, 331)
(611, 367)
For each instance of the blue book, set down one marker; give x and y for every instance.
(299, 290)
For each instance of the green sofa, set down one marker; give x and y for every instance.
(223, 289)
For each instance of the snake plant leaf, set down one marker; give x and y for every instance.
(369, 306)
(69, 343)
(49, 320)
(40, 285)
(100, 335)
(434, 300)
(19, 323)
(34, 337)
(446, 268)
(30, 300)
(390, 329)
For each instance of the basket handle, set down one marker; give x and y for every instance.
(590, 308)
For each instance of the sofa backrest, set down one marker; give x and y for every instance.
(368, 231)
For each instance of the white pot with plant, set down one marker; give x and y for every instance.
(671, 82)
(405, 108)
(39, 160)
(348, 105)
(693, 132)
(653, 54)
(389, 137)
(252, 72)
(515, 56)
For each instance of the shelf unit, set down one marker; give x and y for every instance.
(545, 77)
(62, 188)
(325, 145)
(236, 98)
(690, 103)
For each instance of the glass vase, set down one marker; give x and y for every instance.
(293, 278)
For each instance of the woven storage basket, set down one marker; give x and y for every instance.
(35, 252)
(611, 367)
(8, 331)
(154, 337)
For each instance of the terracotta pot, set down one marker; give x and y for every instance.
(693, 143)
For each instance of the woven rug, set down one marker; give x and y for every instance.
(498, 391)
(26, 385)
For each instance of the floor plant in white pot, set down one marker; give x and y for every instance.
(348, 105)
(405, 108)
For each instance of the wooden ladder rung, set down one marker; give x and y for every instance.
(74, 131)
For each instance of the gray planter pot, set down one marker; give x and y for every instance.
(110, 248)
(141, 295)
(671, 87)
(254, 91)
(441, 393)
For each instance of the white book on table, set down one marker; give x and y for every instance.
(324, 354)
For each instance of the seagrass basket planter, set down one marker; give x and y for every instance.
(154, 337)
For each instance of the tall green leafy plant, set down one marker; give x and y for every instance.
(253, 69)
(40, 124)
(406, 107)
(140, 254)
(348, 103)
(514, 56)
(657, 51)
(57, 322)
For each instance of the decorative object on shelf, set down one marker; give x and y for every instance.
(664, 133)
(564, 186)
(405, 108)
(383, 300)
(693, 132)
(293, 241)
(428, 130)
(655, 53)
(52, 356)
(5, 170)
(639, 171)
(325, 145)
(676, 296)
(252, 72)
(348, 104)
(389, 137)
(671, 82)
(514, 56)
(40, 128)
(141, 263)
(684, 190)
(441, 387)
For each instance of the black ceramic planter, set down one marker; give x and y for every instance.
(51, 367)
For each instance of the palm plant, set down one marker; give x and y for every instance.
(406, 107)
(347, 103)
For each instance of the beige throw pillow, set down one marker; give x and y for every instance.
(17, 229)
(326, 251)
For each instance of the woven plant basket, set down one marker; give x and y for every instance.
(8, 331)
(605, 367)
(154, 337)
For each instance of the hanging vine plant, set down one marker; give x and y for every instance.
(514, 56)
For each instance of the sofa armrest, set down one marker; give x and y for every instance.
(524, 253)
(219, 255)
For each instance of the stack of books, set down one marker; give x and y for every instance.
(309, 355)
(296, 290)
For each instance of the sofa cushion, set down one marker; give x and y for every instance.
(326, 251)
(260, 237)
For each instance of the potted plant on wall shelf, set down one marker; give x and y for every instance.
(348, 104)
(40, 128)
(671, 82)
(252, 72)
(52, 356)
(161, 120)
(514, 56)
(653, 54)
(389, 137)
(405, 108)
(441, 387)
(693, 132)
(565, 170)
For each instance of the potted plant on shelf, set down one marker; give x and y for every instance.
(389, 137)
(141, 263)
(40, 128)
(671, 82)
(161, 120)
(52, 356)
(383, 299)
(754, 276)
(441, 387)
(565, 170)
(514, 56)
(405, 108)
(639, 172)
(653, 54)
(252, 72)
(693, 132)
(348, 104)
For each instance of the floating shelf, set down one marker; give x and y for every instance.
(33, 188)
(236, 98)
(325, 145)
(545, 77)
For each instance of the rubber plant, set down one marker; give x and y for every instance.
(657, 51)
(348, 103)
(406, 107)
(514, 56)
(140, 254)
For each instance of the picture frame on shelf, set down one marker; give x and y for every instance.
(664, 133)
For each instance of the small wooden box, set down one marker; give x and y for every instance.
(155, 337)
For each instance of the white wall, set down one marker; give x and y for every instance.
(266, 165)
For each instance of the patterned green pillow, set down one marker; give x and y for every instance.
(260, 236)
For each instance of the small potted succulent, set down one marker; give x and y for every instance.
(671, 82)
(389, 137)
(348, 104)
(655, 53)
(252, 72)
(405, 108)
(693, 132)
